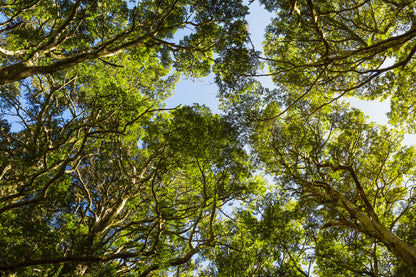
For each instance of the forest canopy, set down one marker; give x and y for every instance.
(99, 178)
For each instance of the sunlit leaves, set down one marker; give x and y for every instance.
(362, 48)
(334, 154)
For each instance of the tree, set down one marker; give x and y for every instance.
(354, 181)
(346, 184)
(359, 48)
(97, 177)
(45, 36)
(266, 239)
(88, 199)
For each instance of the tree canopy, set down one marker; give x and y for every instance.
(360, 48)
(99, 178)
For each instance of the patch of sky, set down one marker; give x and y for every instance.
(377, 112)
(204, 91)
(14, 113)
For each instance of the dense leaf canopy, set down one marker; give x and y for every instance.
(99, 178)
(362, 48)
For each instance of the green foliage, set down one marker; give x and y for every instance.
(348, 176)
(100, 173)
(98, 178)
(41, 37)
(360, 48)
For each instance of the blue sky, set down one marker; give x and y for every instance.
(204, 91)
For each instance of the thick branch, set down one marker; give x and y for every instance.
(372, 227)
